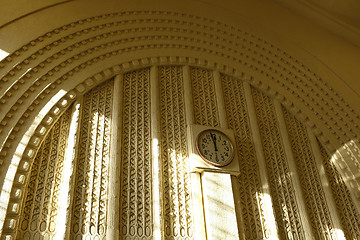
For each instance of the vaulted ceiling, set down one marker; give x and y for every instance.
(346, 9)
(341, 17)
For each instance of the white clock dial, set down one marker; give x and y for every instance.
(215, 147)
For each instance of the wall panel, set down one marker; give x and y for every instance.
(177, 203)
(349, 215)
(41, 203)
(281, 185)
(88, 217)
(316, 203)
(204, 97)
(252, 202)
(135, 173)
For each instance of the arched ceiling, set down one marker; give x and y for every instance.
(346, 8)
(341, 17)
(63, 49)
(290, 57)
(311, 25)
(343, 10)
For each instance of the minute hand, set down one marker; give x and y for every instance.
(213, 136)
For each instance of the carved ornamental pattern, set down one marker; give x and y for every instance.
(252, 203)
(41, 203)
(315, 200)
(347, 160)
(34, 73)
(136, 182)
(89, 188)
(176, 187)
(349, 215)
(88, 219)
(281, 186)
(204, 97)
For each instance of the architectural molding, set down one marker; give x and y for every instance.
(41, 79)
(44, 124)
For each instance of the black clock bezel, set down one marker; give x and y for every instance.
(204, 158)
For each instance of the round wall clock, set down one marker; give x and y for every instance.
(215, 147)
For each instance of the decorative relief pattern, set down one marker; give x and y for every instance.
(90, 194)
(204, 97)
(177, 203)
(136, 188)
(315, 200)
(349, 216)
(26, 73)
(260, 54)
(347, 159)
(252, 202)
(40, 207)
(27, 69)
(281, 186)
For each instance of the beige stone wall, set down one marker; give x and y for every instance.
(289, 92)
(287, 185)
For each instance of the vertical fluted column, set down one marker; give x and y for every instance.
(156, 166)
(304, 219)
(112, 228)
(68, 179)
(269, 226)
(196, 188)
(336, 232)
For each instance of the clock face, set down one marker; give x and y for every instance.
(215, 147)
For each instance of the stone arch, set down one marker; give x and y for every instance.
(45, 123)
(241, 51)
(31, 142)
(59, 58)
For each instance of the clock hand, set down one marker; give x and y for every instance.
(214, 140)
